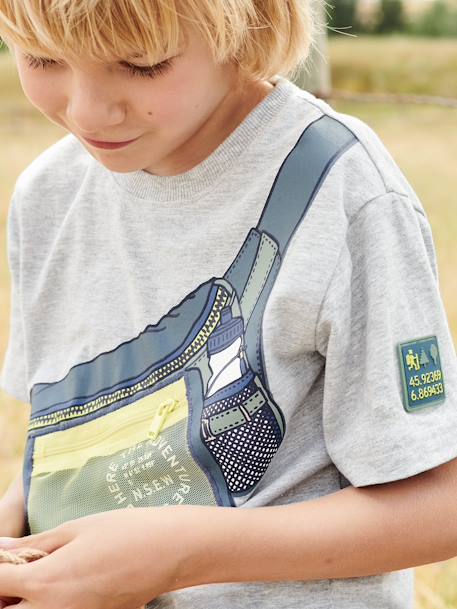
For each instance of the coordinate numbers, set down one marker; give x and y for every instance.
(426, 392)
(427, 377)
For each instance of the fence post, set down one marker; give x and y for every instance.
(315, 76)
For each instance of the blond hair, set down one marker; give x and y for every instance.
(263, 37)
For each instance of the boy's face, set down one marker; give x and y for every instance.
(179, 116)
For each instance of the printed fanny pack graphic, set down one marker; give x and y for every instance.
(182, 413)
(197, 425)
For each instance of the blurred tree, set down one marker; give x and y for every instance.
(314, 76)
(391, 17)
(343, 16)
(440, 19)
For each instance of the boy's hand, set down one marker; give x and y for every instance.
(119, 559)
(12, 524)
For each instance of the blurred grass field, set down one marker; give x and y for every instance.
(422, 139)
(394, 64)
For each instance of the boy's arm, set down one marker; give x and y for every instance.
(353, 532)
(12, 514)
(15, 492)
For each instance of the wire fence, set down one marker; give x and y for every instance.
(393, 98)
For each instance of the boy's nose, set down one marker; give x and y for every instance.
(92, 109)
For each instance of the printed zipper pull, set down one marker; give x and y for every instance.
(165, 408)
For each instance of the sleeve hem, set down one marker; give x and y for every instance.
(375, 475)
(12, 392)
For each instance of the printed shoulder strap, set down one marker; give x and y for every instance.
(254, 270)
(301, 176)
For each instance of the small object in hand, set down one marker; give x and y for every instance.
(21, 557)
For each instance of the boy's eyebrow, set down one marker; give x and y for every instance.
(137, 56)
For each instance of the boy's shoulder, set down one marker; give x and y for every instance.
(366, 170)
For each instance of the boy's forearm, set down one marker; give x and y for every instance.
(12, 512)
(354, 532)
(15, 492)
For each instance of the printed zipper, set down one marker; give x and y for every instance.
(166, 407)
(76, 411)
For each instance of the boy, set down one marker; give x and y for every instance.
(224, 294)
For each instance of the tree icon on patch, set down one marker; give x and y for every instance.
(434, 353)
(424, 361)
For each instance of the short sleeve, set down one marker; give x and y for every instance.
(13, 377)
(384, 297)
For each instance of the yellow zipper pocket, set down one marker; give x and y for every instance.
(139, 455)
(117, 430)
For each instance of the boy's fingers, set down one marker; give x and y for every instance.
(48, 541)
(29, 541)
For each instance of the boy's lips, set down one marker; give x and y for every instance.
(101, 144)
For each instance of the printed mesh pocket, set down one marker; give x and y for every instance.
(243, 430)
(135, 456)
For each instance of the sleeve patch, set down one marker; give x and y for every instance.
(421, 372)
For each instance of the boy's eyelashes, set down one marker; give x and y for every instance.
(145, 71)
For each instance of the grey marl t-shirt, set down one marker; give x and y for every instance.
(356, 348)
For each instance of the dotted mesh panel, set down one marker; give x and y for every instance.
(245, 452)
(150, 473)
